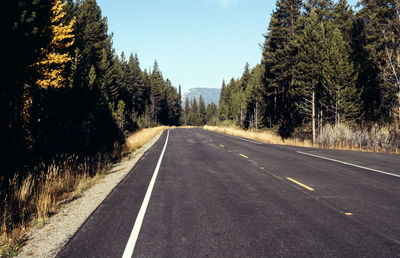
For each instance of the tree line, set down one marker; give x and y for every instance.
(64, 90)
(196, 113)
(322, 63)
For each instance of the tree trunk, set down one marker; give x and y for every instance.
(398, 111)
(321, 117)
(241, 116)
(336, 113)
(275, 107)
(256, 118)
(313, 117)
(4, 128)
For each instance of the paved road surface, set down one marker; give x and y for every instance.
(220, 196)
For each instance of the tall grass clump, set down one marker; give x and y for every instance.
(33, 198)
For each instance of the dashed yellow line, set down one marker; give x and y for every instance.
(349, 214)
(300, 184)
(222, 146)
(244, 156)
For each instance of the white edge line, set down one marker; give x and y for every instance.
(130, 245)
(241, 138)
(349, 164)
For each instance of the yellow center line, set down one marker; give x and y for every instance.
(222, 145)
(349, 214)
(244, 156)
(300, 184)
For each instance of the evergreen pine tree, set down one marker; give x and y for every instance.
(233, 97)
(127, 91)
(240, 95)
(322, 8)
(344, 18)
(139, 91)
(211, 114)
(223, 103)
(157, 93)
(254, 99)
(390, 68)
(193, 117)
(96, 74)
(172, 104)
(186, 111)
(202, 111)
(22, 22)
(308, 90)
(279, 59)
(180, 106)
(377, 94)
(245, 77)
(342, 99)
(92, 39)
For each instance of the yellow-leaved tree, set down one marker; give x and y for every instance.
(56, 57)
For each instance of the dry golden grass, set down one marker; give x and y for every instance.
(31, 200)
(261, 136)
(139, 138)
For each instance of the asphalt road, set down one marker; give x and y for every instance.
(219, 196)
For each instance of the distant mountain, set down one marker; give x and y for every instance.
(209, 95)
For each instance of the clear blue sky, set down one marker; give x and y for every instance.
(197, 43)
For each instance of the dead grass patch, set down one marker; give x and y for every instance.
(261, 136)
(139, 138)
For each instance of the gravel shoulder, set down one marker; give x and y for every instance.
(48, 240)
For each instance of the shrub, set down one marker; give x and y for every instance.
(375, 138)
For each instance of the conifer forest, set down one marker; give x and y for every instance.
(323, 63)
(65, 92)
(64, 89)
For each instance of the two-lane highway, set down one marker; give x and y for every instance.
(197, 193)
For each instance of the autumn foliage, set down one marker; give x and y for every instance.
(55, 56)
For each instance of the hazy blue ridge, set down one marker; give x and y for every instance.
(209, 94)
